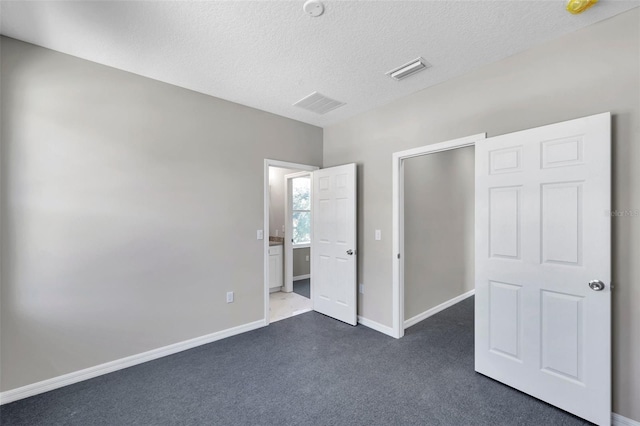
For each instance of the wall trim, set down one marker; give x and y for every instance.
(119, 364)
(619, 420)
(301, 277)
(441, 307)
(376, 326)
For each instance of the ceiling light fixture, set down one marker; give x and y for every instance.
(408, 69)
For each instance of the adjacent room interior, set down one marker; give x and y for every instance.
(289, 263)
(438, 231)
(411, 212)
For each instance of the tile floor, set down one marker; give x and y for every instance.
(285, 305)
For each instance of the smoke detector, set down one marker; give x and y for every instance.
(313, 8)
(408, 69)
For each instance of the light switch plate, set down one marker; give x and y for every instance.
(378, 235)
(229, 297)
(260, 234)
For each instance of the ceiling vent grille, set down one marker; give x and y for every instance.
(408, 69)
(318, 103)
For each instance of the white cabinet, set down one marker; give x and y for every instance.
(275, 267)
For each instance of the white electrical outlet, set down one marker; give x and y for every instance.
(229, 297)
(378, 235)
(260, 234)
(361, 288)
(306, 258)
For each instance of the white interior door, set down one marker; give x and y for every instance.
(542, 235)
(333, 243)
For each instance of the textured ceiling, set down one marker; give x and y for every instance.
(269, 54)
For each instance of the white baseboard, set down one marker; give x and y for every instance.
(441, 307)
(301, 277)
(376, 326)
(119, 364)
(618, 420)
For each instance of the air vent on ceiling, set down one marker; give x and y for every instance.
(318, 103)
(408, 69)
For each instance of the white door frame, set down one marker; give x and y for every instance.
(398, 218)
(265, 227)
(288, 231)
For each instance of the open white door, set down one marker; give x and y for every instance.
(333, 243)
(543, 264)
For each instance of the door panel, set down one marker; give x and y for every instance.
(333, 251)
(542, 233)
(561, 227)
(562, 342)
(504, 227)
(504, 319)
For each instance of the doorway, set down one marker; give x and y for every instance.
(439, 232)
(542, 265)
(297, 241)
(282, 225)
(333, 236)
(399, 240)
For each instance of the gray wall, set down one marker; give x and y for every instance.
(301, 266)
(129, 208)
(587, 72)
(277, 194)
(439, 228)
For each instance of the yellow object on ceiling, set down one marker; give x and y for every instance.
(579, 6)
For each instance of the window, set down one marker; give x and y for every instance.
(301, 210)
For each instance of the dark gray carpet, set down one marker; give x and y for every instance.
(303, 288)
(306, 370)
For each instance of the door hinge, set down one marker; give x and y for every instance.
(398, 255)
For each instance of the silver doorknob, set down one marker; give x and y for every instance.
(350, 252)
(596, 285)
